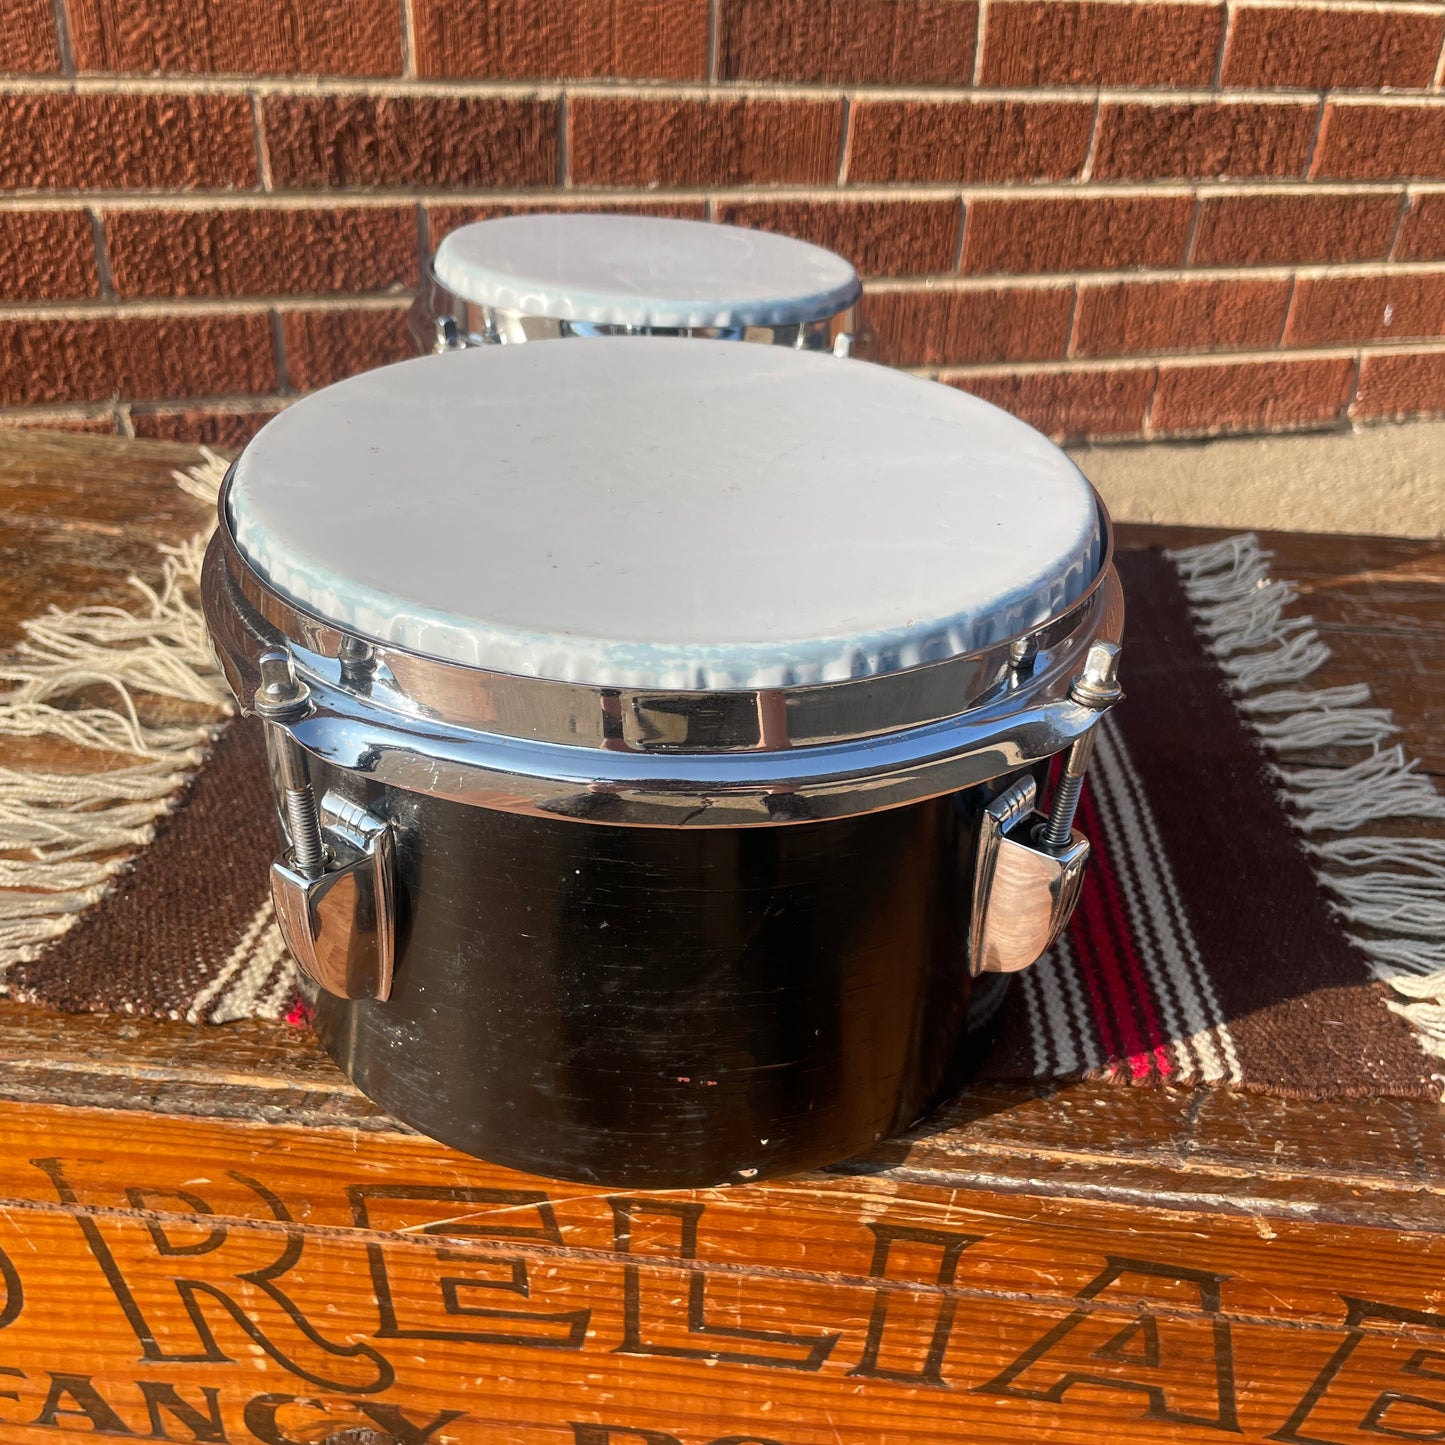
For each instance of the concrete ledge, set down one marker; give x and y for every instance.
(1387, 479)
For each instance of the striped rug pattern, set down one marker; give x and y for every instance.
(1208, 947)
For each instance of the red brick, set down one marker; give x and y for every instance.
(1060, 42)
(1136, 316)
(1422, 232)
(1210, 141)
(325, 346)
(1071, 405)
(1401, 384)
(46, 256)
(880, 238)
(1366, 308)
(970, 140)
(229, 430)
(331, 140)
(562, 39)
(93, 359)
(917, 328)
(1109, 233)
(27, 38)
(880, 42)
(1381, 142)
(217, 37)
(1323, 49)
(1275, 230)
(119, 142)
(713, 142)
(442, 219)
(236, 252)
(1251, 395)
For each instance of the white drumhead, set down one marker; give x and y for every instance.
(643, 271)
(665, 512)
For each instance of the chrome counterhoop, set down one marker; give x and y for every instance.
(440, 320)
(663, 759)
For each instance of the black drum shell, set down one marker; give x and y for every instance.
(664, 1007)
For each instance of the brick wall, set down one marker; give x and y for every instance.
(1171, 218)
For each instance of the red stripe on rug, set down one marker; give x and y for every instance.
(1104, 921)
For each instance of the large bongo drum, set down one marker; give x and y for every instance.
(559, 274)
(661, 732)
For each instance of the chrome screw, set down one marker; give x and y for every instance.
(358, 662)
(283, 697)
(280, 694)
(1097, 686)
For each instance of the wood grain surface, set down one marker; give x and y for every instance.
(207, 1234)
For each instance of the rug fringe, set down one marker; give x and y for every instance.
(1388, 891)
(73, 832)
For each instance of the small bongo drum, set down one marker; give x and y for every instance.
(529, 277)
(660, 731)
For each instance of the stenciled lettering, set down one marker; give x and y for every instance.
(950, 1245)
(467, 1212)
(1413, 1409)
(163, 1399)
(88, 1404)
(778, 1348)
(1104, 1348)
(269, 1317)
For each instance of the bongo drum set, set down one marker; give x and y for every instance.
(535, 277)
(661, 728)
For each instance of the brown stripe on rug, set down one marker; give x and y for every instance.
(186, 931)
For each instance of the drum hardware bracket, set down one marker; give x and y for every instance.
(281, 697)
(1097, 686)
(1030, 868)
(334, 891)
(1023, 895)
(341, 924)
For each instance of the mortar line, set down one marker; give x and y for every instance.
(441, 88)
(278, 351)
(1086, 171)
(378, 196)
(102, 253)
(407, 19)
(940, 284)
(1315, 156)
(564, 143)
(845, 137)
(1192, 235)
(64, 43)
(263, 156)
(1406, 204)
(1224, 36)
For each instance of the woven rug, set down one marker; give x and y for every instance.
(1246, 921)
